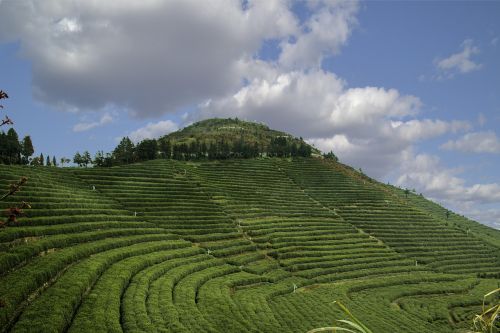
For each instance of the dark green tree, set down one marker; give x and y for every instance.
(47, 161)
(41, 159)
(10, 149)
(294, 151)
(27, 149)
(304, 150)
(99, 159)
(77, 159)
(64, 160)
(212, 151)
(124, 152)
(54, 161)
(331, 156)
(86, 159)
(35, 161)
(147, 150)
(165, 148)
(203, 150)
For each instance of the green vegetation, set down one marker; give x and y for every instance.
(212, 139)
(354, 325)
(488, 320)
(236, 245)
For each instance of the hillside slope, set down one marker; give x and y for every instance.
(259, 245)
(231, 130)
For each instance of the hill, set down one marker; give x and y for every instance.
(235, 245)
(211, 139)
(238, 134)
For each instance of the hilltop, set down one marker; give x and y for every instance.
(211, 139)
(235, 245)
(238, 133)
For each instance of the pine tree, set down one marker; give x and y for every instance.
(54, 161)
(13, 147)
(47, 163)
(41, 159)
(124, 152)
(27, 149)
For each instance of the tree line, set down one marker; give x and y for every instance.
(15, 151)
(127, 152)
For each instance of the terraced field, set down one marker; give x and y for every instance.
(257, 245)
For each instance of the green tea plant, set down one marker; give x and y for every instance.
(488, 320)
(354, 325)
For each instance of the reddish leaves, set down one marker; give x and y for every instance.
(14, 212)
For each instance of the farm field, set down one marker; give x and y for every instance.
(239, 245)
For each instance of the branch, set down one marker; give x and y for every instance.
(7, 121)
(14, 188)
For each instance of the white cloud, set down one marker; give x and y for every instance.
(106, 118)
(322, 34)
(366, 127)
(68, 25)
(153, 130)
(147, 56)
(312, 103)
(476, 142)
(490, 216)
(460, 62)
(425, 173)
(415, 130)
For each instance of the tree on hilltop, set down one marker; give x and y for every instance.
(147, 150)
(27, 149)
(124, 152)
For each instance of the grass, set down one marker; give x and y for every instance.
(258, 245)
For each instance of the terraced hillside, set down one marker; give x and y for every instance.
(257, 245)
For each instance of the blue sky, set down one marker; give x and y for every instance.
(407, 91)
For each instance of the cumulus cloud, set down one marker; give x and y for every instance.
(147, 56)
(476, 142)
(106, 118)
(425, 173)
(490, 216)
(460, 62)
(369, 127)
(322, 34)
(153, 130)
